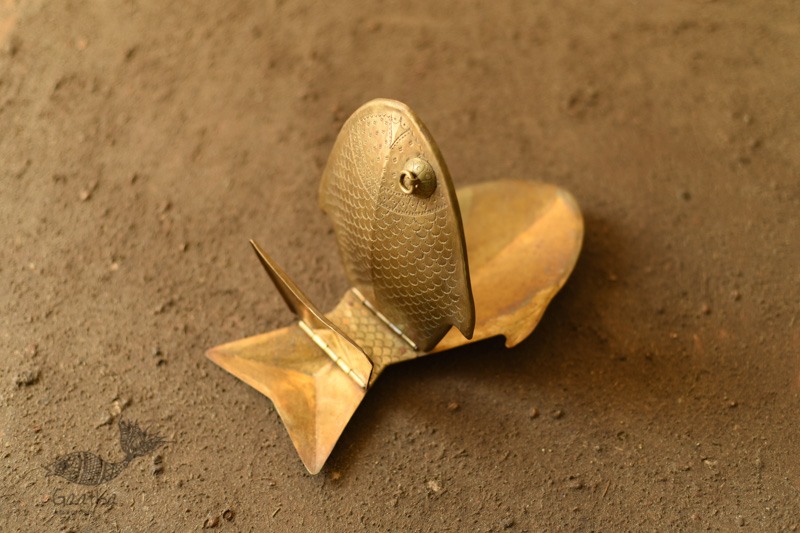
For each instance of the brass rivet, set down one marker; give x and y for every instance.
(417, 178)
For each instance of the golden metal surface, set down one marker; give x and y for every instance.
(388, 193)
(523, 239)
(339, 347)
(405, 248)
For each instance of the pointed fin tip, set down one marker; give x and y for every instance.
(467, 329)
(291, 294)
(262, 256)
(466, 334)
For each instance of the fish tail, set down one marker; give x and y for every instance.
(136, 442)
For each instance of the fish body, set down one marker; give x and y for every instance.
(404, 252)
(85, 468)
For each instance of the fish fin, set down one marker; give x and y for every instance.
(347, 355)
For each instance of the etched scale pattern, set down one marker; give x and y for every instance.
(404, 253)
(349, 202)
(381, 344)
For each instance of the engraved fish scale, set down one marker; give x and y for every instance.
(404, 252)
(381, 344)
(356, 230)
(427, 296)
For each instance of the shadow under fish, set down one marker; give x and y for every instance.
(86, 468)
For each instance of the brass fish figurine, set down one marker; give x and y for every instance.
(405, 235)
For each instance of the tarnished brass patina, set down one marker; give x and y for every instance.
(405, 254)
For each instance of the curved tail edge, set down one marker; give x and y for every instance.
(311, 394)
